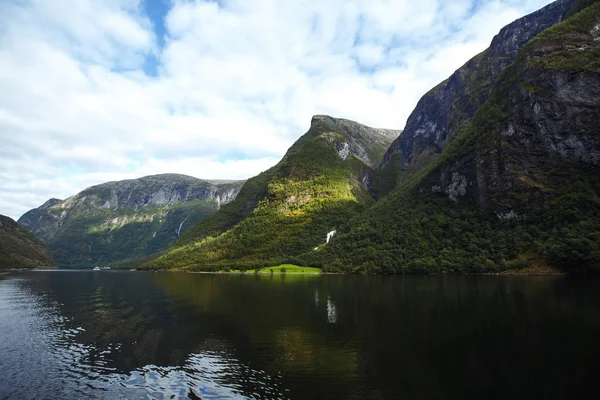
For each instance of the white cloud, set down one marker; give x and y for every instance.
(237, 81)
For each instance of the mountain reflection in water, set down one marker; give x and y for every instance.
(129, 335)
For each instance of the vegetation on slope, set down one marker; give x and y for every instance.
(431, 234)
(20, 249)
(551, 201)
(571, 46)
(121, 224)
(250, 194)
(578, 6)
(93, 240)
(285, 211)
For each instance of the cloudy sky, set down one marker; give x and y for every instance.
(93, 91)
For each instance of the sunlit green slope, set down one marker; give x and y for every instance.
(289, 209)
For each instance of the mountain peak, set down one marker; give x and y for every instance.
(442, 112)
(149, 180)
(364, 142)
(499, 166)
(321, 119)
(50, 203)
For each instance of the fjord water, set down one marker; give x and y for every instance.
(107, 335)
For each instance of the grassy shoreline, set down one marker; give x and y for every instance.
(278, 269)
(299, 270)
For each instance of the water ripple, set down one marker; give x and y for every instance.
(70, 366)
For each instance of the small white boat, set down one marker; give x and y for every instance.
(96, 268)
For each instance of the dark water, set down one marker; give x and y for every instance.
(111, 335)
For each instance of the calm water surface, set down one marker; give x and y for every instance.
(131, 335)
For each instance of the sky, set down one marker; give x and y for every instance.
(95, 91)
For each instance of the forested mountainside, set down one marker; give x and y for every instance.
(123, 221)
(20, 249)
(497, 169)
(515, 185)
(320, 183)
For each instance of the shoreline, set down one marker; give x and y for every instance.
(525, 272)
(504, 273)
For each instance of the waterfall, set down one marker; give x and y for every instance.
(329, 236)
(180, 225)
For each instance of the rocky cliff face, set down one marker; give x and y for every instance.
(20, 249)
(366, 144)
(442, 113)
(538, 133)
(318, 185)
(114, 221)
(499, 166)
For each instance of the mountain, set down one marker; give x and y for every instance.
(321, 182)
(122, 221)
(498, 169)
(499, 166)
(441, 114)
(20, 249)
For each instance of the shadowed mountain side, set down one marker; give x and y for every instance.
(20, 249)
(442, 113)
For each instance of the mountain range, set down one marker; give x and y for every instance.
(119, 223)
(497, 169)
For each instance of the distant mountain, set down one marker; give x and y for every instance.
(320, 184)
(20, 249)
(499, 166)
(122, 221)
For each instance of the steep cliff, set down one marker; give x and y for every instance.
(20, 249)
(539, 132)
(442, 112)
(515, 184)
(287, 210)
(118, 221)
